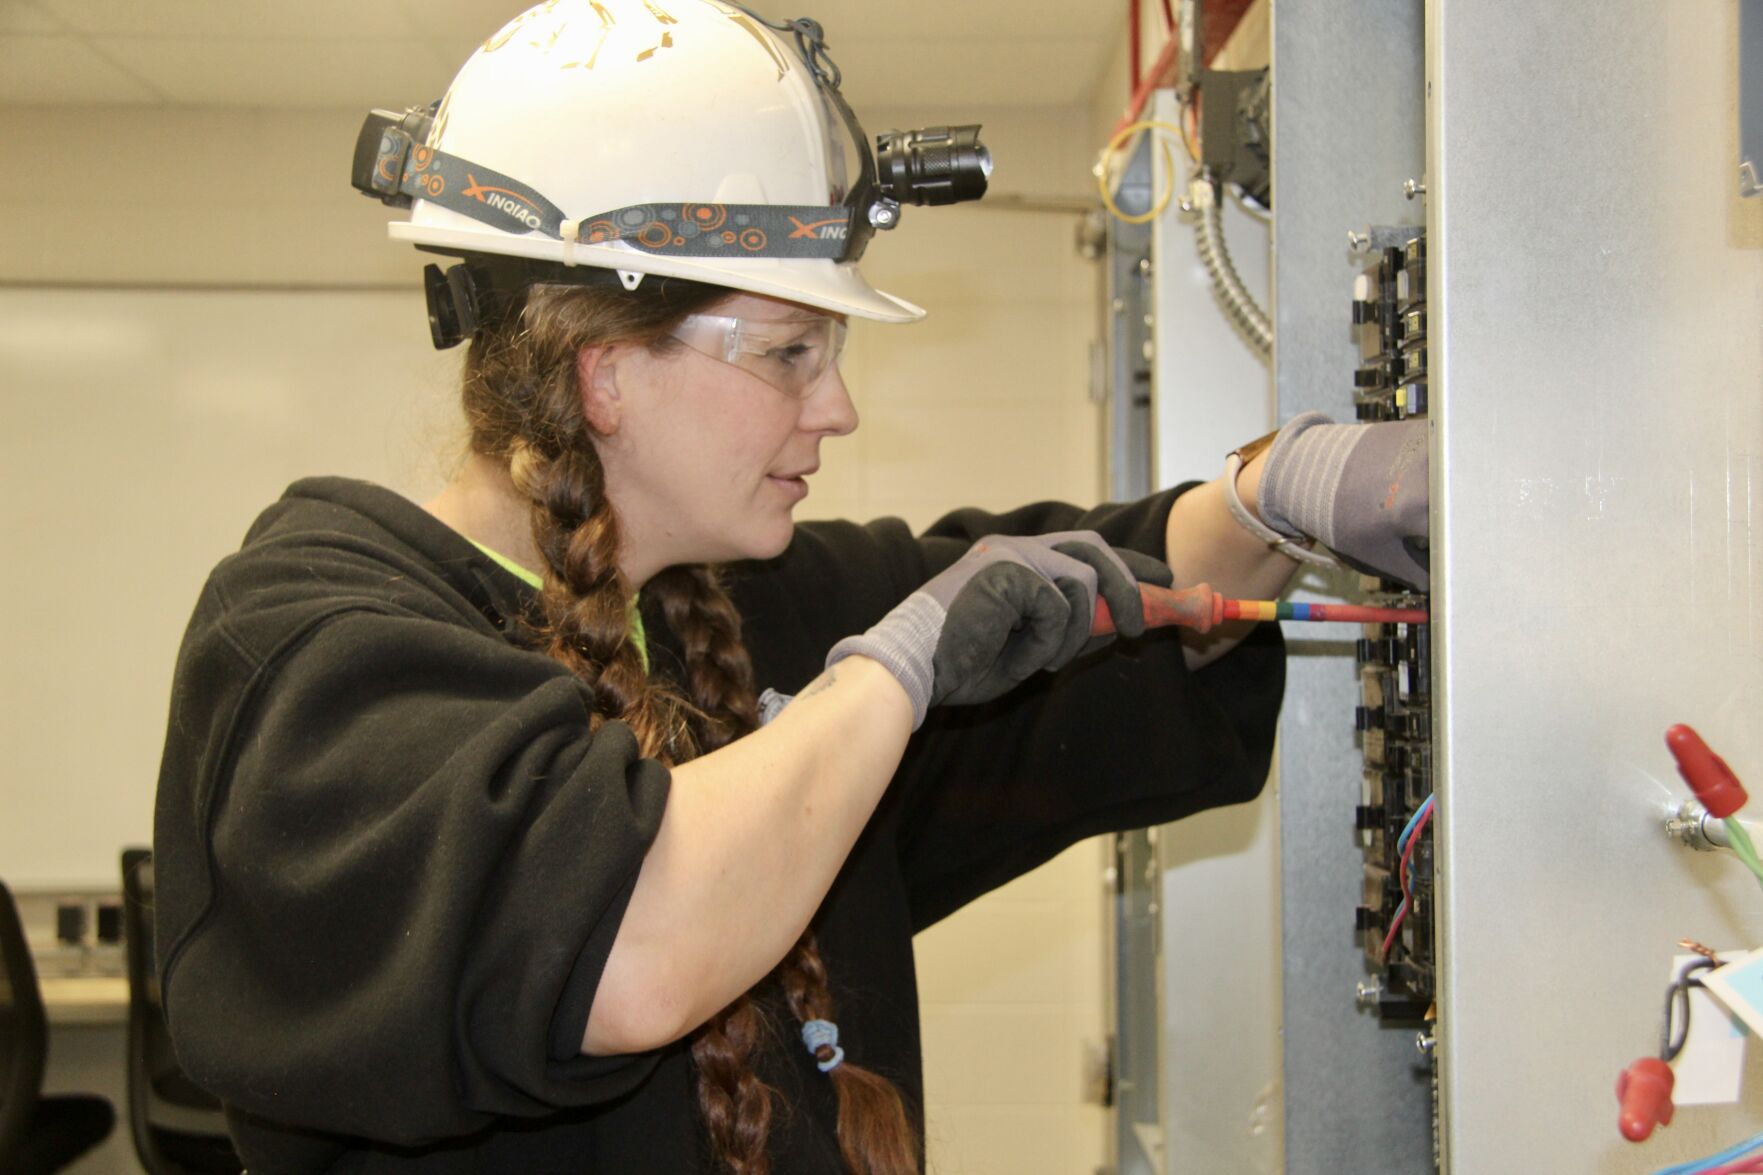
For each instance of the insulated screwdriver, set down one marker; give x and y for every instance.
(1199, 608)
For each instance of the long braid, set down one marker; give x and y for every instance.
(523, 403)
(734, 1103)
(719, 673)
(875, 1135)
(587, 603)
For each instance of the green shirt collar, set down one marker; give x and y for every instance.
(533, 580)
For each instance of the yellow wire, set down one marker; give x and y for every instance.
(1187, 138)
(1113, 146)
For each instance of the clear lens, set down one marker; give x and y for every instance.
(790, 354)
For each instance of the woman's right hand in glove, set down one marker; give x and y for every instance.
(1008, 608)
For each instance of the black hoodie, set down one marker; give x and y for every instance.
(391, 860)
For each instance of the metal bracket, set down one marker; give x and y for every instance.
(1383, 236)
(1750, 57)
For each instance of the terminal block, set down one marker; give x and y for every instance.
(1389, 316)
(1394, 719)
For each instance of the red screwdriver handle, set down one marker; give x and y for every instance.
(1198, 608)
(1709, 777)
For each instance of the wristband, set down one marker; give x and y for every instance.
(1287, 545)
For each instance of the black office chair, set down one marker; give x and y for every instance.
(37, 1134)
(179, 1129)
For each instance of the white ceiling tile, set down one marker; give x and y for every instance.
(20, 16)
(291, 74)
(341, 19)
(949, 74)
(63, 71)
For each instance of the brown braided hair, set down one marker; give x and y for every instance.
(522, 397)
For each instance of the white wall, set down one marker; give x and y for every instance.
(143, 422)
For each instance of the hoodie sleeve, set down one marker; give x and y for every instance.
(1124, 738)
(392, 861)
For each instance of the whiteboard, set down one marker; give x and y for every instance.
(141, 430)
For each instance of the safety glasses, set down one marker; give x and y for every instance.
(790, 354)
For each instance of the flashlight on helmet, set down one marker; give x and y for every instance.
(935, 165)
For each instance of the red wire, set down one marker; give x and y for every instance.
(1750, 1163)
(1401, 915)
(1142, 94)
(1132, 39)
(1402, 875)
(1168, 17)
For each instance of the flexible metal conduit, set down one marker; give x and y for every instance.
(1233, 298)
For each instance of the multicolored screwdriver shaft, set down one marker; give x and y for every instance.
(1349, 613)
(1200, 608)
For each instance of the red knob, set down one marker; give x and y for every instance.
(1644, 1089)
(1707, 773)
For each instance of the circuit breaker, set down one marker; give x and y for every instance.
(1394, 717)
(1394, 661)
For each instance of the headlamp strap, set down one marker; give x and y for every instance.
(673, 230)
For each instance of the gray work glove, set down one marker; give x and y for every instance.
(1358, 489)
(1007, 608)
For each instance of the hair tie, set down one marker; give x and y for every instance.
(771, 704)
(818, 1034)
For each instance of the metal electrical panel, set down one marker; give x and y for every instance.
(1196, 1067)
(1220, 1042)
(1596, 342)
(1348, 131)
(1590, 328)
(1136, 1062)
(1751, 98)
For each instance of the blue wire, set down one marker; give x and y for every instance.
(1413, 821)
(1400, 910)
(1712, 1161)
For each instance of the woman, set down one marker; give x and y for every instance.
(473, 853)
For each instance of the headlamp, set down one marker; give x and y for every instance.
(937, 165)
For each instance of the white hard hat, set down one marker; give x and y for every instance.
(671, 137)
